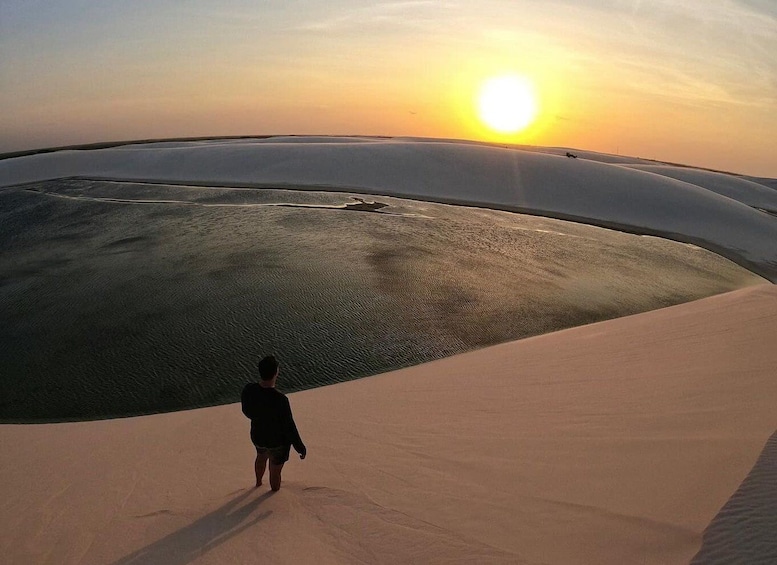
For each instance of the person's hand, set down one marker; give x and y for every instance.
(303, 453)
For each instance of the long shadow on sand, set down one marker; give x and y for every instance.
(198, 538)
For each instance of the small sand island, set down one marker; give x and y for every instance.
(640, 430)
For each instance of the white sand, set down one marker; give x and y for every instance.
(737, 188)
(712, 211)
(616, 443)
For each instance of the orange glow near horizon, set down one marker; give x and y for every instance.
(404, 69)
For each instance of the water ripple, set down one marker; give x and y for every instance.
(115, 309)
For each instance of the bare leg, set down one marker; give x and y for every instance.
(275, 476)
(259, 466)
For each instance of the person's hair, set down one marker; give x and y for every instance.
(268, 367)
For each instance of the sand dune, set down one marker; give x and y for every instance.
(616, 443)
(626, 441)
(533, 181)
(740, 189)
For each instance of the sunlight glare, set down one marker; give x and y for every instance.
(507, 104)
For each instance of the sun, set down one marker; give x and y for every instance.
(507, 104)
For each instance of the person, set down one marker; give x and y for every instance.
(273, 430)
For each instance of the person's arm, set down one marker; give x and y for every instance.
(247, 404)
(292, 434)
(244, 402)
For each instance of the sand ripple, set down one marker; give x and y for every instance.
(745, 529)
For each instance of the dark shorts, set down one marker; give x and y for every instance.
(277, 455)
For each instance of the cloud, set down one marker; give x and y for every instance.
(383, 15)
(699, 52)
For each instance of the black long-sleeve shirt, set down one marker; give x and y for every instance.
(272, 424)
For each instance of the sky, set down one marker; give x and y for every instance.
(687, 81)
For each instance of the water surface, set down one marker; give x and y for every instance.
(119, 299)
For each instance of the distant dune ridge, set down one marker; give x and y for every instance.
(625, 441)
(715, 211)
